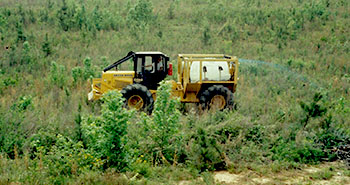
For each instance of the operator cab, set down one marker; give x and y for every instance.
(150, 68)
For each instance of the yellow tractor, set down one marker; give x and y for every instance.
(207, 79)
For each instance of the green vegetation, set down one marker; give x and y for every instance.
(325, 174)
(292, 109)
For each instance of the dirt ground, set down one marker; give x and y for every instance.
(326, 173)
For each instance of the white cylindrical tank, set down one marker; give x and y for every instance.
(213, 71)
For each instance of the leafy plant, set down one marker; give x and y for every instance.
(171, 9)
(83, 73)
(20, 34)
(57, 74)
(303, 152)
(313, 109)
(77, 73)
(65, 15)
(105, 135)
(23, 103)
(27, 57)
(46, 46)
(61, 155)
(324, 174)
(206, 35)
(205, 154)
(157, 137)
(141, 15)
(12, 130)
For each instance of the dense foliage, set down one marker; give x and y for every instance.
(293, 102)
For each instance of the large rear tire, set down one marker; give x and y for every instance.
(216, 97)
(138, 97)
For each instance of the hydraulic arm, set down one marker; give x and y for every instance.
(115, 64)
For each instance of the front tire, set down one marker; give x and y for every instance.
(138, 97)
(216, 97)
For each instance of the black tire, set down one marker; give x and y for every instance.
(224, 94)
(140, 91)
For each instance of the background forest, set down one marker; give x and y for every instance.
(293, 96)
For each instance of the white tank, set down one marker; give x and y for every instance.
(213, 73)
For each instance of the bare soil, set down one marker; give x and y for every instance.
(329, 173)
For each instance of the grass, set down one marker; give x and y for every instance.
(325, 174)
(295, 50)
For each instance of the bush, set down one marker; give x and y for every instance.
(3, 26)
(105, 135)
(206, 38)
(304, 152)
(66, 16)
(46, 46)
(20, 34)
(12, 130)
(6, 82)
(27, 57)
(164, 124)
(57, 75)
(83, 73)
(159, 138)
(141, 16)
(313, 109)
(205, 152)
(324, 174)
(61, 155)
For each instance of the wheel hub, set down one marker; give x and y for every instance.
(218, 102)
(135, 102)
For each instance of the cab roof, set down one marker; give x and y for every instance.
(150, 53)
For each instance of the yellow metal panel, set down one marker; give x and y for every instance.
(179, 70)
(193, 87)
(191, 97)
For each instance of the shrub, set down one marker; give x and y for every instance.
(302, 152)
(206, 39)
(65, 16)
(22, 104)
(27, 57)
(83, 73)
(88, 70)
(141, 15)
(105, 135)
(61, 155)
(205, 153)
(157, 137)
(165, 122)
(171, 9)
(324, 174)
(57, 75)
(3, 26)
(6, 82)
(313, 109)
(77, 73)
(12, 131)
(20, 34)
(46, 46)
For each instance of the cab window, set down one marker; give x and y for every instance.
(149, 64)
(139, 65)
(160, 63)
